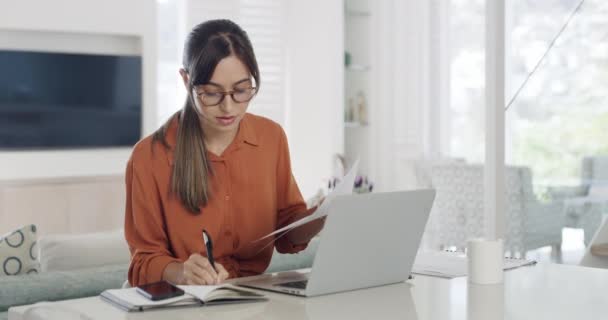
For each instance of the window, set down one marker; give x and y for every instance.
(560, 114)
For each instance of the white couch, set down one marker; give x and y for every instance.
(586, 203)
(458, 212)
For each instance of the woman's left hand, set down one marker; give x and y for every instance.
(305, 232)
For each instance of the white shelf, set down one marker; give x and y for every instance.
(355, 124)
(358, 68)
(357, 13)
(357, 77)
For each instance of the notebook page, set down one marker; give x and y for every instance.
(200, 292)
(131, 296)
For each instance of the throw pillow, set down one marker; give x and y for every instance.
(19, 252)
(63, 252)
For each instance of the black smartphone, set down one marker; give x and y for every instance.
(159, 290)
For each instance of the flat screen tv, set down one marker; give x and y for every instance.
(69, 101)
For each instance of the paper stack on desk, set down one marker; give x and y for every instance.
(446, 264)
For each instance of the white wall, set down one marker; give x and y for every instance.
(315, 89)
(314, 102)
(64, 23)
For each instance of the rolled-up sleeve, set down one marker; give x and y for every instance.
(231, 266)
(290, 204)
(145, 230)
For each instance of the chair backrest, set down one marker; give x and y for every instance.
(594, 169)
(601, 236)
(458, 212)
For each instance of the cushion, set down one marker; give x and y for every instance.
(565, 192)
(60, 285)
(18, 252)
(598, 190)
(78, 251)
(600, 168)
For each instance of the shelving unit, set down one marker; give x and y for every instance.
(357, 83)
(358, 68)
(354, 124)
(356, 12)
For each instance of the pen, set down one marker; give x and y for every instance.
(209, 248)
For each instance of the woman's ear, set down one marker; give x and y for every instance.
(185, 78)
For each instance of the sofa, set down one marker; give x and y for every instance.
(61, 279)
(587, 202)
(458, 211)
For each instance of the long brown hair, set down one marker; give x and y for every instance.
(206, 45)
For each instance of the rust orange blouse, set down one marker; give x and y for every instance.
(253, 193)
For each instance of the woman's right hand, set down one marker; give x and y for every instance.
(197, 270)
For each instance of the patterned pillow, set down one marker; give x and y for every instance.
(19, 252)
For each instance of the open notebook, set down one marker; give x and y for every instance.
(130, 300)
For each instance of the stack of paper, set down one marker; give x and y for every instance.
(453, 264)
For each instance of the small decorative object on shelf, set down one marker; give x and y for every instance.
(349, 111)
(356, 110)
(362, 183)
(347, 58)
(361, 108)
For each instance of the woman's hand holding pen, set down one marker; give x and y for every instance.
(197, 270)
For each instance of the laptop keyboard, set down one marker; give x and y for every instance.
(294, 284)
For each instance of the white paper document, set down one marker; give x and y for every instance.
(452, 264)
(345, 187)
(200, 292)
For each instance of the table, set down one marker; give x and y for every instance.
(544, 291)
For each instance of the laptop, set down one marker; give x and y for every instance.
(368, 240)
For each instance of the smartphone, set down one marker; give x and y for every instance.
(159, 290)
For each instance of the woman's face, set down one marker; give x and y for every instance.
(230, 75)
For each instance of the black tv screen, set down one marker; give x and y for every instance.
(69, 101)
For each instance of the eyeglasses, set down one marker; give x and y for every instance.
(210, 99)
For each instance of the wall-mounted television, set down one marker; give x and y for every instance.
(54, 100)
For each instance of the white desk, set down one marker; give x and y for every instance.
(538, 292)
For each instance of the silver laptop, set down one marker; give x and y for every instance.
(368, 240)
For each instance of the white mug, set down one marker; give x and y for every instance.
(485, 302)
(485, 261)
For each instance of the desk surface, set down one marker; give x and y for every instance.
(544, 291)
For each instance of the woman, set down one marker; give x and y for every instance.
(212, 166)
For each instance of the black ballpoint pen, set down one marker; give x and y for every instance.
(209, 248)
